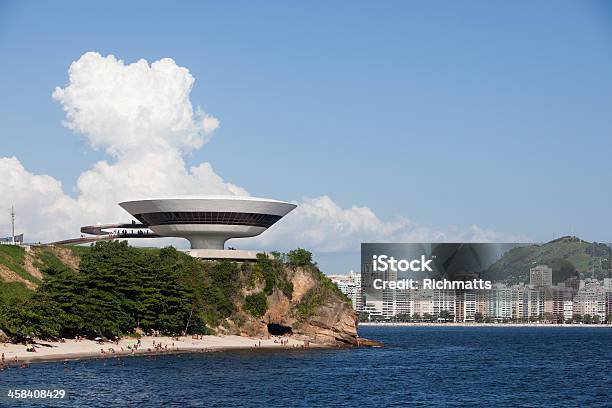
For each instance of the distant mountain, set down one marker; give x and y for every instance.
(568, 256)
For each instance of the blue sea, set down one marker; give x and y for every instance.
(419, 366)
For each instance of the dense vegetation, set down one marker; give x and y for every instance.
(256, 304)
(118, 290)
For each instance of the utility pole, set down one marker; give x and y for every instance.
(13, 224)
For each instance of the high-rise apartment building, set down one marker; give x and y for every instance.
(527, 302)
(403, 302)
(568, 310)
(555, 298)
(540, 276)
(590, 299)
(444, 300)
(422, 302)
(499, 302)
(350, 285)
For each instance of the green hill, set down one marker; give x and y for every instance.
(568, 256)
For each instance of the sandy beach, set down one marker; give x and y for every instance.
(453, 324)
(79, 349)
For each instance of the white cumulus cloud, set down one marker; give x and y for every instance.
(123, 108)
(45, 212)
(141, 115)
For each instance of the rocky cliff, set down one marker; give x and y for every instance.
(313, 310)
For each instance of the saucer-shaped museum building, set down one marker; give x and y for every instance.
(208, 221)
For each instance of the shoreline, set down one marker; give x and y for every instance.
(71, 349)
(455, 324)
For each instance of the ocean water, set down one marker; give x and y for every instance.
(420, 366)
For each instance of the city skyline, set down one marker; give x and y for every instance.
(574, 300)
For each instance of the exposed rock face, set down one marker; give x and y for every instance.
(33, 262)
(28, 265)
(67, 257)
(3, 337)
(8, 275)
(333, 324)
(302, 282)
(314, 312)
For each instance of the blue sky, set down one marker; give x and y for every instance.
(447, 113)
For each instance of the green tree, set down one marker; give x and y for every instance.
(364, 317)
(256, 305)
(116, 289)
(402, 317)
(445, 315)
(300, 257)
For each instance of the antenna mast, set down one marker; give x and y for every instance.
(13, 225)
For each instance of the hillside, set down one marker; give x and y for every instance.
(22, 271)
(568, 256)
(112, 289)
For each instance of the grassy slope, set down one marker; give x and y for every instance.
(562, 255)
(13, 258)
(42, 258)
(11, 291)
